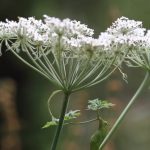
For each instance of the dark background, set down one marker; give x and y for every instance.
(29, 91)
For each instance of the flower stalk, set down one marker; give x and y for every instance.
(125, 111)
(61, 120)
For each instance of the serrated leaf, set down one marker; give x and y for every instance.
(68, 116)
(97, 104)
(54, 122)
(72, 115)
(105, 104)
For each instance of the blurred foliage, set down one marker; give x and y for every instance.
(33, 90)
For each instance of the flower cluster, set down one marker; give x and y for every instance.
(135, 38)
(126, 31)
(65, 51)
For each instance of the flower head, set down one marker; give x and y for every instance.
(124, 26)
(65, 51)
(68, 27)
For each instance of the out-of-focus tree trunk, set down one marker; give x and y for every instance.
(11, 125)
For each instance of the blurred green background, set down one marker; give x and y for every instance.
(26, 91)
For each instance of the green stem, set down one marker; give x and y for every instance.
(123, 114)
(61, 120)
(83, 122)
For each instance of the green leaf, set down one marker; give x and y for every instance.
(48, 124)
(72, 115)
(97, 104)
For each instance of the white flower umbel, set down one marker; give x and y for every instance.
(139, 55)
(64, 51)
(124, 26)
(137, 39)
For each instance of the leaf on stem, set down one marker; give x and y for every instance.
(54, 122)
(68, 116)
(98, 104)
(72, 115)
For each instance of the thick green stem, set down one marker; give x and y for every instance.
(61, 120)
(123, 114)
